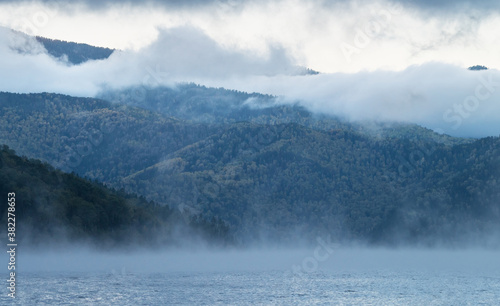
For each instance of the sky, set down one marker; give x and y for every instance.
(379, 60)
(328, 36)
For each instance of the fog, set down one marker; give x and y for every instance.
(294, 261)
(475, 253)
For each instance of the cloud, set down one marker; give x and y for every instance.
(423, 5)
(187, 52)
(179, 55)
(105, 4)
(452, 5)
(442, 97)
(26, 67)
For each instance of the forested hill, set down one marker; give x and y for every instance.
(274, 182)
(76, 53)
(200, 104)
(277, 177)
(53, 207)
(92, 137)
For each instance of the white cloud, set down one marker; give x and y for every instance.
(179, 55)
(442, 97)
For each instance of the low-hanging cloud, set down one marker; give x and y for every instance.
(442, 97)
(180, 54)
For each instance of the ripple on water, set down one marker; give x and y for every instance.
(376, 288)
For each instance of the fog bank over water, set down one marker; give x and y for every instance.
(296, 262)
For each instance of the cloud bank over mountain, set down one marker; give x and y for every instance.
(442, 97)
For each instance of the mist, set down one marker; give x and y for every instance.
(317, 259)
(296, 276)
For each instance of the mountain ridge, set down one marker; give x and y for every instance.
(74, 53)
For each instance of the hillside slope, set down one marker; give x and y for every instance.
(53, 207)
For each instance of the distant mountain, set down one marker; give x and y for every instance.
(76, 53)
(478, 67)
(299, 70)
(272, 172)
(53, 207)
